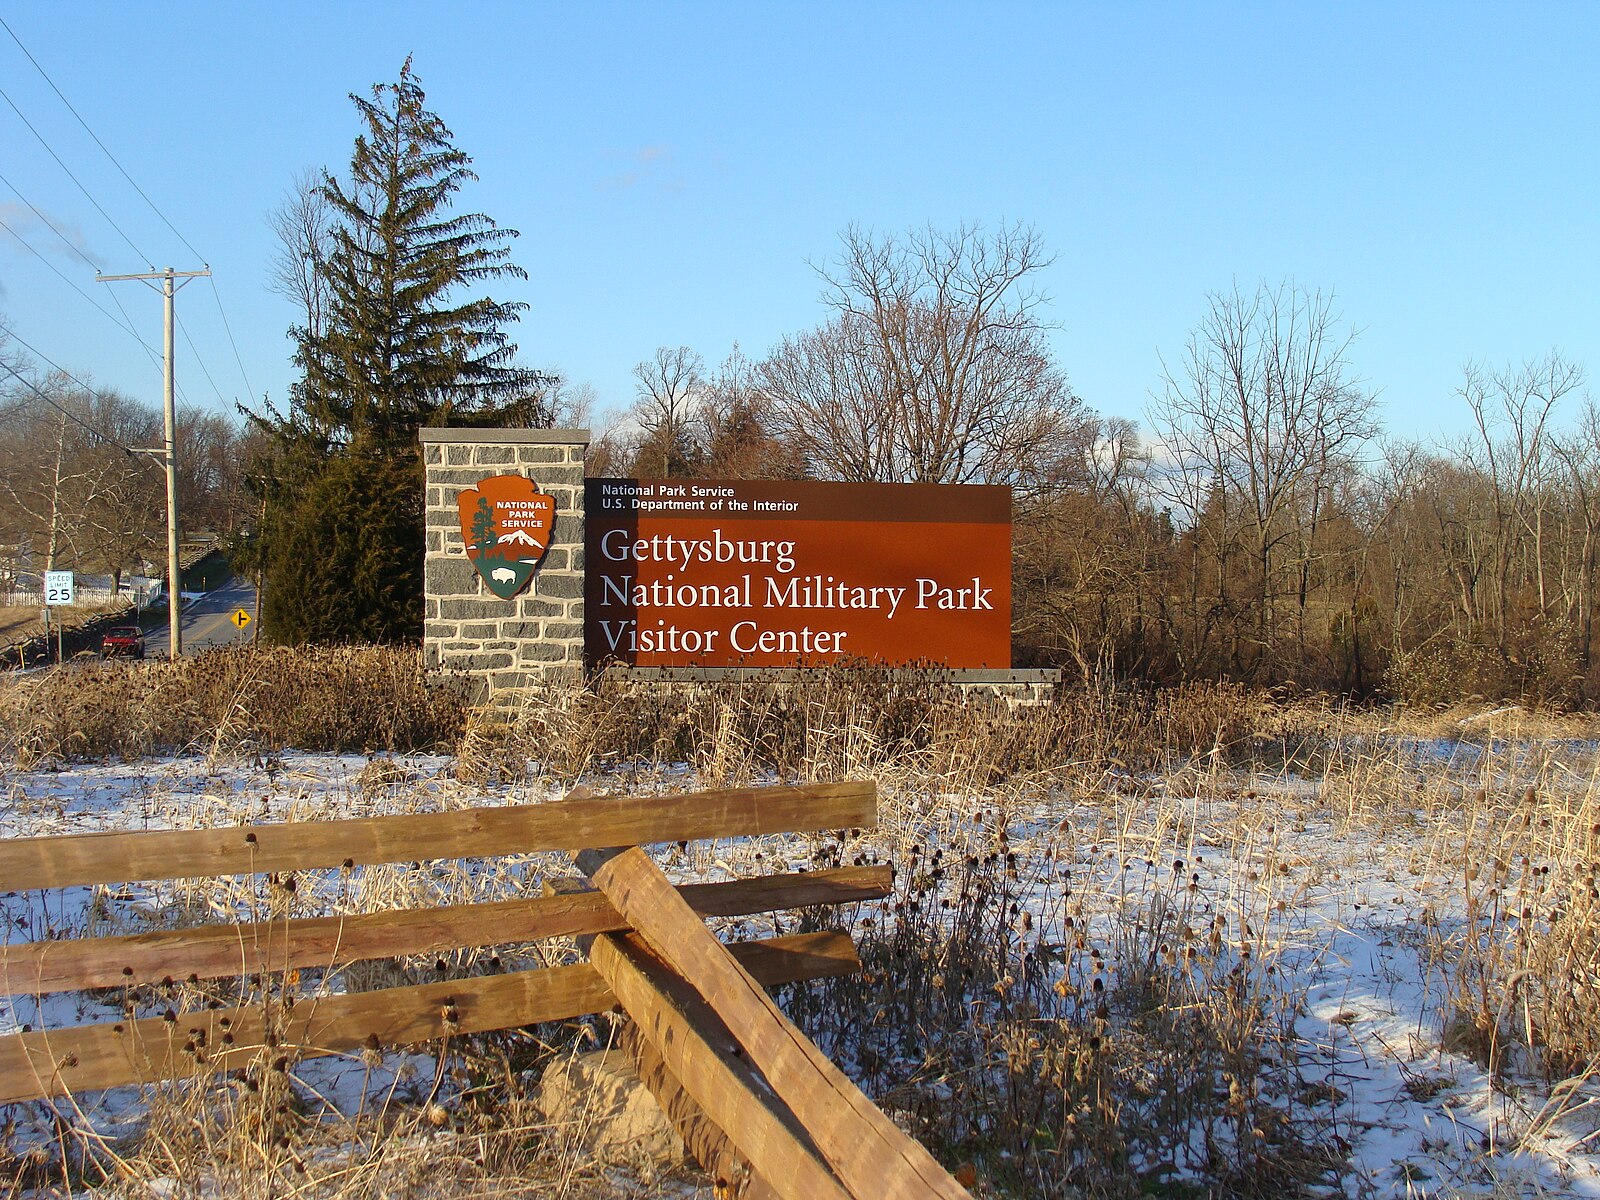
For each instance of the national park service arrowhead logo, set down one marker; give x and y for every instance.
(506, 522)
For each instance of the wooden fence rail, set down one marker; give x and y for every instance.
(45, 1063)
(331, 943)
(759, 1105)
(90, 858)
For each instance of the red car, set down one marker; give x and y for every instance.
(123, 640)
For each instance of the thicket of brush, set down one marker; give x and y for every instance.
(1143, 1048)
(1148, 1049)
(851, 722)
(311, 698)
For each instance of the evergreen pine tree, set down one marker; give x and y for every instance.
(400, 348)
(397, 352)
(345, 564)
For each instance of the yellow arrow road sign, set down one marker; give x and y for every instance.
(240, 618)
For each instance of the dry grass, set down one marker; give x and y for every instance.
(1060, 991)
(848, 723)
(19, 622)
(1525, 955)
(1122, 1042)
(228, 701)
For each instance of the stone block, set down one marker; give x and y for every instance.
(484, 608)
(456, 478)
(494, 454)
(445, 576)
(482, 630)
(555, 631)
(541, 455)
(563, 585)
(542, 656)
(544, 652)
(478, 661)
(534, 604)
(458, 455)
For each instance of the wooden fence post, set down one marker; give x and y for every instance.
(870, 1154)
(698, 1050)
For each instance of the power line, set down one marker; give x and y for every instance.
(76, 249)
(65, 412)
(99, 143)
(37, 353)
(106, 150)
(66, 241)
(204, 370)
(70, 175)
(143, 195)
(31, 249)
(227, 328)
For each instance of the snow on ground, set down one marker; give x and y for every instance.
(1340, 908)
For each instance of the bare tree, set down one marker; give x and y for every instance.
(613, 442)
(1259, 423)
(934, 367)
(211, 482)
(669, 390)
(734, 427)
(69, 492)
(827, 394)
(1085, 573)
(1512, 411)
(571, 405)
(303, 223)
(1579, 453)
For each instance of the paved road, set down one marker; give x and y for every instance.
(206, 619)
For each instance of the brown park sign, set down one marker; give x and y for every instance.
(703, 572)
(506, 522)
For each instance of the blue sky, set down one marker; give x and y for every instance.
(673, 167)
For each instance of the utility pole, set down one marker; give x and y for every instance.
(55, 525)
(168, 454)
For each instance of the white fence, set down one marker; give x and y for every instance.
(89, 592)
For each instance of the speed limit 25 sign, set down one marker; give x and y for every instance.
(58, 587)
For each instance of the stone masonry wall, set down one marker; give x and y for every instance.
(468, 629)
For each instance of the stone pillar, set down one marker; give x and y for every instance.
(467, 628)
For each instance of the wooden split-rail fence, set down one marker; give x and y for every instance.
(758, 1104)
